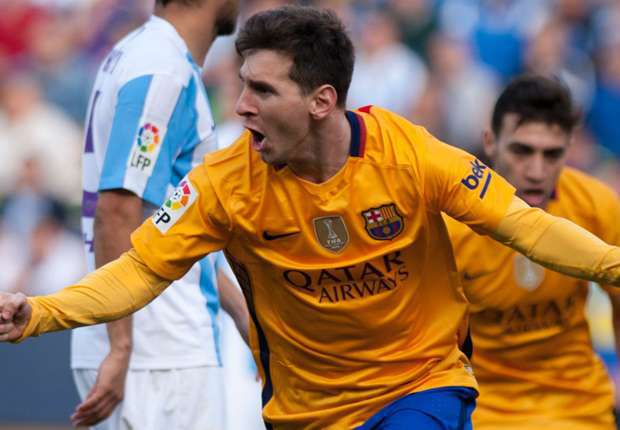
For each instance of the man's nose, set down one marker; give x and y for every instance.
(536, 169)
(244, 106)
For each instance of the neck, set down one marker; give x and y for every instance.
(195, 25)
(326, 149)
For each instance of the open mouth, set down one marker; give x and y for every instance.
(533, 196)
(258, 139)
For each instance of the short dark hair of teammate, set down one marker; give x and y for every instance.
(315, 39)
(536, 98)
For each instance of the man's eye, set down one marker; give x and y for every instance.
(554, 155)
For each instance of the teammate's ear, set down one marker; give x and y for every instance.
(489, 143)
(323, 101)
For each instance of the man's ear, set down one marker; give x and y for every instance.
(323, 101)
(489, 143)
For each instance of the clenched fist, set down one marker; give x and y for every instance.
(15, 312)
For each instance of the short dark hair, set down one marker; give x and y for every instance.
(315, 39)
(536, 98)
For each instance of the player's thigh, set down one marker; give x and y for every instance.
(84, 380)
(175, 399)
(202, 397)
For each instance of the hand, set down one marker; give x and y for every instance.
(15, 313)
(107, 392)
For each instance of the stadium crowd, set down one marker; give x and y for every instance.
(439, 63)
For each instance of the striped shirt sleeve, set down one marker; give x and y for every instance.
(151, 119)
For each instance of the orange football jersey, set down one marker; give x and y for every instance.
(351, 283)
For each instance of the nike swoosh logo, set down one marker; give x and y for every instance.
(269, 236)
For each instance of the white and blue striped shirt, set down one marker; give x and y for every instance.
(148, 124)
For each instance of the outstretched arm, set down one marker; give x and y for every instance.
(558, 244)
(111, 292)
(464, 188)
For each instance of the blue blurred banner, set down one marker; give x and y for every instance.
(37, 386)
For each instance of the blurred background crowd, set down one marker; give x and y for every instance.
(439, 63)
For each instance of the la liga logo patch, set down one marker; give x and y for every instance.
(181, 196)
(146, 149)
(174, 208)
(148, 137)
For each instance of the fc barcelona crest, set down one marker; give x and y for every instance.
(383, 222)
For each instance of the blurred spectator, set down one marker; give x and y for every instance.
(551, 53)
(461, 94)
(578, 16)
(26, 201)
(57, 64)
(605, 110)
(17, 21)
(33, 128)
(55, 257)
(41, 255)
(497, 29)
(417, 21)
(386, 73)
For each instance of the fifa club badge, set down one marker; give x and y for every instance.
(383, 222)
(331, 232)
(173, 208)
(528, 275)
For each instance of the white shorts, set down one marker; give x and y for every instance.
(180, 399)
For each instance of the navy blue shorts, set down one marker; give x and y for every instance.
(446, 408)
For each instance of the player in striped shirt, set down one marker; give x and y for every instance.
(148, 124)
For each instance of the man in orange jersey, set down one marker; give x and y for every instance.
(533, 355)
(331, 220)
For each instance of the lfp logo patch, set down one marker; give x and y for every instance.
(148, 137)
(173, 208)
(383, 222)
(145, 151)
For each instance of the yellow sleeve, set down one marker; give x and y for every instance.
(609, 230)
(188, 226)
(113, 291)
(558, 244)
(460, 185)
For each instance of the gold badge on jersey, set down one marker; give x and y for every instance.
(331, 232)
(528, 274)
(383, 222)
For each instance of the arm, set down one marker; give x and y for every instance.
(119, 213)
(558, 244)
(111, 292)
(233, 303)
(470, 192)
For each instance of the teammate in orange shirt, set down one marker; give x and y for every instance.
(533, 355)
(332, 222)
